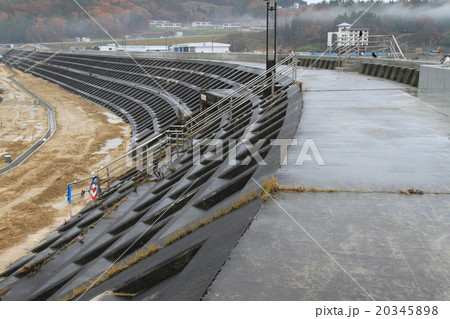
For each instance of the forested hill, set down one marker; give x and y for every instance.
(179, 10)
(52, 20)
(48, 20)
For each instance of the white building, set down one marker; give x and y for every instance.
(108, 47)
(201, 47)
(231, 26)
(202, 25)
(168, 25)
(133, 48)
(144, 48)
(346, 35)
(257, 29)
(153, 23)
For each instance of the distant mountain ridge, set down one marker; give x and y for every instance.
(159, 9)
(418, 23)
(49, 20)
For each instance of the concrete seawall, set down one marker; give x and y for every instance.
(435, 81)
(324, 62)
(402, 71)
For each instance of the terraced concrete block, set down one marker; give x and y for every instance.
(408, 76)
(381, 71)
(375, 69)
(415, 78)
(394, 73)
(388, 72)
(363, 68)
(369, 69)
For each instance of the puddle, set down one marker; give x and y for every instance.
(110, 144)
(106, 160)
(112, 118)
(440, 105)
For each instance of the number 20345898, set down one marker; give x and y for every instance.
(407, 311)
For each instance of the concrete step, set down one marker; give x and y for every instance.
(351, 66)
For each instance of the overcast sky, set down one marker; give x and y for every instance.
(317, 1)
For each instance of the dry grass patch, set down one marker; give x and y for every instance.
(5, 290)
(412, 191)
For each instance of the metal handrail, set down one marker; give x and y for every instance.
(243, 94)
(383, 42)
(246, 86)
(159, 150)
(398, 47)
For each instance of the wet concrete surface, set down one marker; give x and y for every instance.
(374, 136)
(394, 246)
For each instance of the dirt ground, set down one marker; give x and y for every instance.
(32, 196)
(22, 122)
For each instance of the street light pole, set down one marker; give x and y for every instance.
(271, 11)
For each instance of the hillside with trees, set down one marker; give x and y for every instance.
(415, 23)
(422, 22)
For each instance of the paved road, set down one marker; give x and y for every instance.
(374, 136)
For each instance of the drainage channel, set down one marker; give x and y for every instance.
(48, 134)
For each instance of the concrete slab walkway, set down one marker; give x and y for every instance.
(366, 241)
